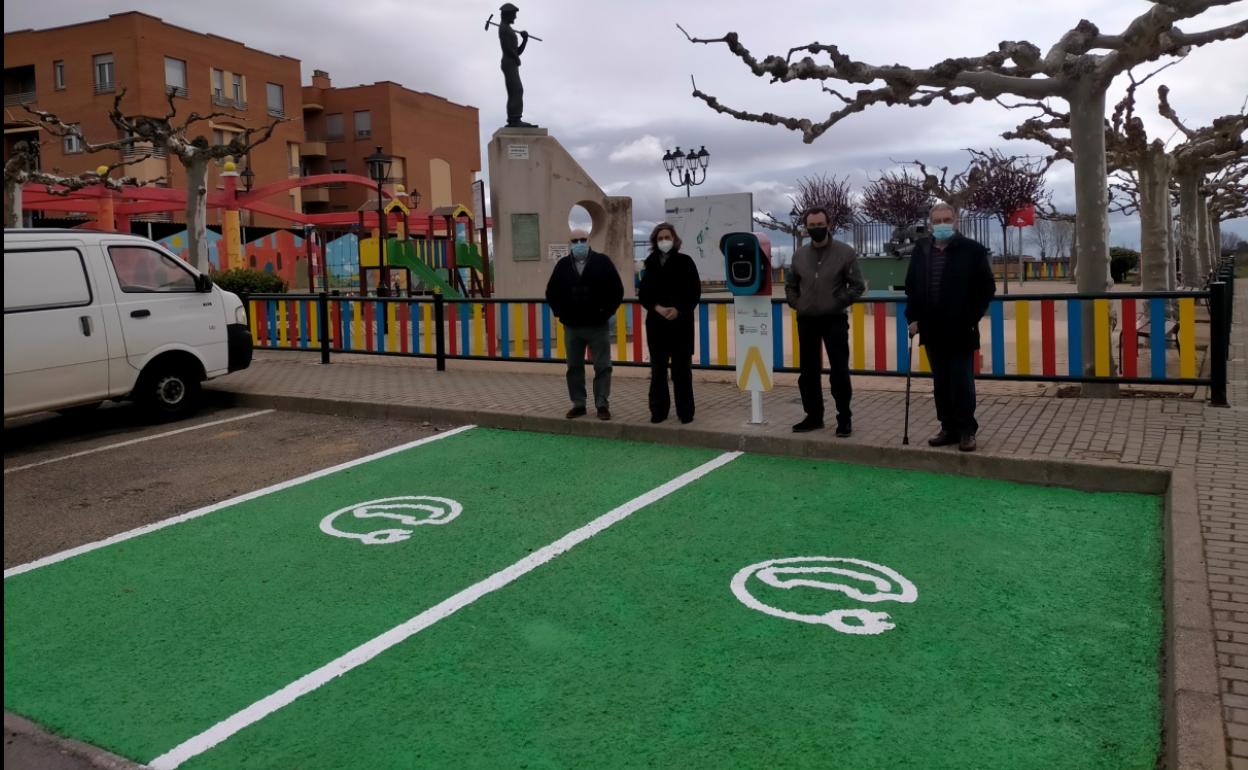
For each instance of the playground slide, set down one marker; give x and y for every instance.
(402, 254)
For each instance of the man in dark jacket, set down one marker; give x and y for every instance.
(823, 281)
(948, 289)
(584, 292)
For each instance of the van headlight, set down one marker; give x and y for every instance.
(240, 315)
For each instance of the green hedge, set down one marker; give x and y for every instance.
(242, 280)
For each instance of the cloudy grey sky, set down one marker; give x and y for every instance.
(611, 80)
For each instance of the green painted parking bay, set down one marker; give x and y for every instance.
(137, 646)
(503, 599)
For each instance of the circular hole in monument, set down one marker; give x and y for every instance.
(579, 217)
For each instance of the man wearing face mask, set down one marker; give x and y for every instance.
(670, 290)
(948, 289)
(823, 281)
(583, 292)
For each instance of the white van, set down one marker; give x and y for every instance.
(92, 316)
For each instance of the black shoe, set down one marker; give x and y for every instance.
(604, 413)
(654, 418)
(576, 411)
(844, 428)
(967, 444)
(944, 438)
(807, 425)
(686, 420)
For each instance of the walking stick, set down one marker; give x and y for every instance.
(905, 438)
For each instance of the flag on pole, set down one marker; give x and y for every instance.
(1024, 217)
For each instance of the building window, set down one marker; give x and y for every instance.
(218, 89)
(333, 127)
(363, 124)
(73, 142)
(338, 167)
(240, 91)
(104, 80)
(276, 100)
(175, 77)
(58, 75)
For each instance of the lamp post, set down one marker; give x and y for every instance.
(379, 171)
(249, 179)
(683, 169)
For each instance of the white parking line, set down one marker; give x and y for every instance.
(195, 514)
(444, 609)
(134, 441)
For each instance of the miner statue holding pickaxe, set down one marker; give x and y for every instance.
(513, 43)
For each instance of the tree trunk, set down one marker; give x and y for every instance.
(197, 213)
(1189, 233)
(1155, 247)
(1204, 244)
(1172, 279)
(1216, 226)
(12, 203)
(1087, 140)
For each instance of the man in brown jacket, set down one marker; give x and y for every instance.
(823, 281)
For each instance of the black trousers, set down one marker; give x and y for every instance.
(814, 335)
(671, 349)
(953, 381)
(515, 92)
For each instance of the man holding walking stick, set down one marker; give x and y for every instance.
(948, 289)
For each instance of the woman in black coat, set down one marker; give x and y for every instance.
(670, 290)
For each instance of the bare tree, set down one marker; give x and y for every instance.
(1053, 237)
(897, 198)
(1078, 68)
(1006, 184)
(825, 191)
(22, 167)
(1206, 150)
(193, 152)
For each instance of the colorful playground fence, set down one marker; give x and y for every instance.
(1142, 337)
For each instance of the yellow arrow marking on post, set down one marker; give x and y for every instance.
(753, 360)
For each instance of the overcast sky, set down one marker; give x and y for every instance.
(611, 79)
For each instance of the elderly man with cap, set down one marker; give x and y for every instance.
(512, 48)
(584, 292)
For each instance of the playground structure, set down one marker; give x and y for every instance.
(443, 250)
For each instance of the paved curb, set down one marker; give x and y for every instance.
(1086, 476)
(1194, 736)
(93, 756)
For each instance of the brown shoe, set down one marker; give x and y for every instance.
(944, 438)
(576, 411)
(604, 413)
(967, 444)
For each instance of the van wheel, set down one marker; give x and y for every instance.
(169, 392)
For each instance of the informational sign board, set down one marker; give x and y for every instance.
(754, 343)
(702, 220)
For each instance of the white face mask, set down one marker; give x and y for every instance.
(665, 245)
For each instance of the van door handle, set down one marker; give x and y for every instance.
(140, 313)
(86, 325)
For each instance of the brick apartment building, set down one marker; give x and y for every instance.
(77, 70)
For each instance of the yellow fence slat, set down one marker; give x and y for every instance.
(1187, 337)
(1022, 335)
(721, 334)
(860, 335)
(1100, 312)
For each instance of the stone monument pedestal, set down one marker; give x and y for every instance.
(534, 183)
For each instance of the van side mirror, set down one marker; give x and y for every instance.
(203, 284)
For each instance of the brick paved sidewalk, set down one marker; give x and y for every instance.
(1015, 422)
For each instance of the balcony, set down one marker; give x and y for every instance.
(21, 97)
(363, 133)
(178, 91)
(221, 100)
(315, 195)
(106, 87)
(313, 148)
(277, 112)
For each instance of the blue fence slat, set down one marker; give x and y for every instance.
(303, 323)
(504, 329)
(777, 335)
(545, 330)
(902, 333)
(1157, 337)
(379, 323)
(997, 324)
(414, 310)
(465, 318)
(1074, 336)
(704, 336)
(275, 331)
